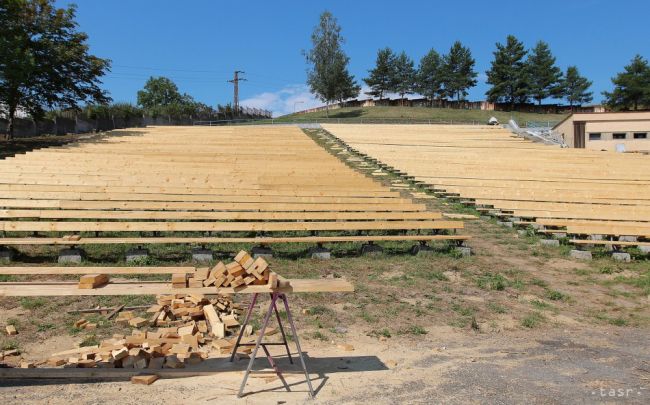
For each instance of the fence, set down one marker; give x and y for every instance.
(68, 122)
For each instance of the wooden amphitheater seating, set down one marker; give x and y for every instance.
(584, 192)
(273, 184)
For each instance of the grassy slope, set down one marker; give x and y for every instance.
(421, 113)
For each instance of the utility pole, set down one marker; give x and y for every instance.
(235, 81)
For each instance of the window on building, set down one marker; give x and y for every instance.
(619, 135)
(640, 135)
(594, 136)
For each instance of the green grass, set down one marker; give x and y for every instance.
(555, 295)
(356, 114)
(532, 320)
(32, 303)
(491, 281)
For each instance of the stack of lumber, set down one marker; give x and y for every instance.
(583, 191)
(243, 271)
(195, 180)
(190, 328)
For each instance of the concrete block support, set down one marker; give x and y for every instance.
(549, 242)
(644, 249)
(507, 224)
(580, 254)
(6, 255)
(371, 249)
(262, 251)
(320, 253)
(464, 251)
(71, 256)
(627, 238)
(136, 254)
(202, 255)
(421, 249)
(622, 257)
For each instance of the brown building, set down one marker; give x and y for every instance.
(607, 131)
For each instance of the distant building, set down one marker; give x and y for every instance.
(628, 131)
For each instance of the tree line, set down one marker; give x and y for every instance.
(516, 75)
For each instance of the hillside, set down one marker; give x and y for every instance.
(354, 114)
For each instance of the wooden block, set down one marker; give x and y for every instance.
(86, 363)
(90, 326)
(214, 323)
(228, 281)
(258, 266)
(237, 282)
(249, 280)
(345, 346)
(220, 281)
(187, 330)
(273, 280)
(222, 344)
(11, 330)
(55, 362)
(90, 281)
(127, 315)
(229, 321)
(235, 269)
(180, 348)
(191, 340)
(27, 364)
(194, 283)
(202, 326)
(119, 354)
(154, 309)
(179, 281)
(244, 259)
(202, 273)
(138, 322)
(145, 379)
(218, 269)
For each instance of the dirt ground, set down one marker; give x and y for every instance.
(550, 366)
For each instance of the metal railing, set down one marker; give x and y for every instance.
(285, 121)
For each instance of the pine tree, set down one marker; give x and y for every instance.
(382, 77)
(459, 74)
(404, 82)
(429, 78)
(509, 74)
(545, 76)
(328, 77)
(631, 87)
(575, 87)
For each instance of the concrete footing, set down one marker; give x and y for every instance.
(485, 217)
(371, 249)
(621, 257)
(596, 237)
(6, 255)
(507, 224)
(644, 249)
(580, 254)
(71, 256)
(136, 254)
(559, 234)
(320, 253)
(262, 251)
(421, 249)
(522, 232)
(549, 242)
(464, 251)
(628, 238)
(202, 255)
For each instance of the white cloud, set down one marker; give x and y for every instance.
(284, 100)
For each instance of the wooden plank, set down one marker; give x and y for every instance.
(18, 289)
(96, 226)
(209, 240)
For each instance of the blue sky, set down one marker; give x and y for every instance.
(200, 43)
